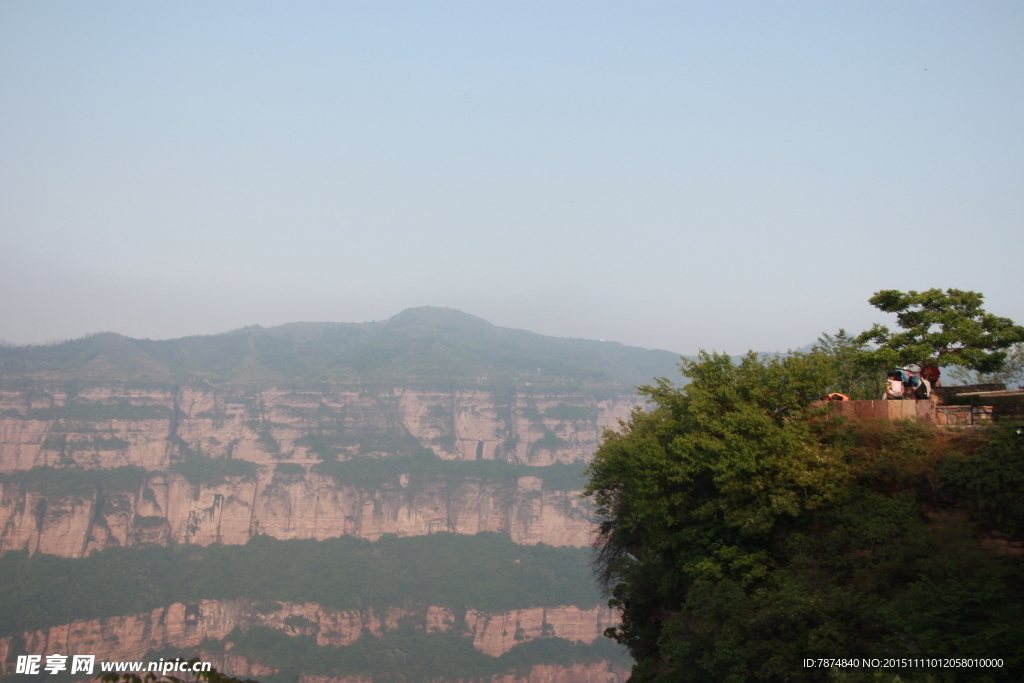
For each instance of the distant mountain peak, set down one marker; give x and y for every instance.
(436, 315)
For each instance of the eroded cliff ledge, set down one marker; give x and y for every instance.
(112, 426)
(286, 440)
(168, 508)
(186, 626)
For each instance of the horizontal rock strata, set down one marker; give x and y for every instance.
(166, 507)
(181, 625)
(113, 426)
(158, 430)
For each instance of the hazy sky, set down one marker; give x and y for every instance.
(683, 175)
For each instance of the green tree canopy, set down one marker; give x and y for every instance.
(856, 373)
(943, 328)
(744, 529)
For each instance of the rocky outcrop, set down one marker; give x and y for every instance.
(114, 426)
(525, 429)
(598, 672)
(496, 634)
(166, 507)
(110, 427)
(283, 468)
(187, 625)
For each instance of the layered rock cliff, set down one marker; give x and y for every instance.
(115, 425)
(599, 672)
(431, 421)
(166, 508)
(285, 435)
(185, 626)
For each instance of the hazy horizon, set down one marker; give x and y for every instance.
(675, 176)
(292, 322)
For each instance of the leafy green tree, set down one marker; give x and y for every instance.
(690, 494)
(743, 530)
(856, 375)
(942, 328)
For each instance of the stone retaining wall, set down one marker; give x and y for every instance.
(926, 410)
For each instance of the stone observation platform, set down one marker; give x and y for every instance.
(926, 410)
(962, 406)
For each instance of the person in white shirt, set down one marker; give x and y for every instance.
(893, 387)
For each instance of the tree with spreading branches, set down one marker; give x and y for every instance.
(946, 328)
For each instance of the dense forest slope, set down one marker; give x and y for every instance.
(141, 483)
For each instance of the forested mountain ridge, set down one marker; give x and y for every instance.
(425, 346)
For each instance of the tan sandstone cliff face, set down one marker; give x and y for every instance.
(600, 672)
(109, 427)
(187, 625)
(113, 426)
(167, 507)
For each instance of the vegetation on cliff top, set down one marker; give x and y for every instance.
(63, 482)
(426, 467)
(400, 655)
(406, 654)
(487, 572)
(201, 470)
(744, 529)
(365, 473)
(946, 328)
